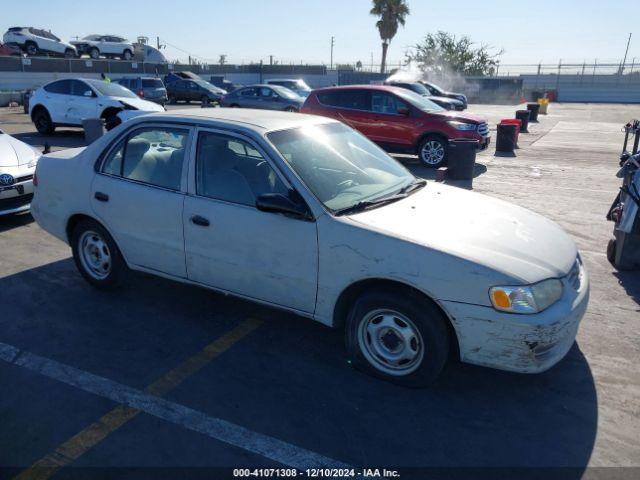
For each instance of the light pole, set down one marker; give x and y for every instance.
(333, 42)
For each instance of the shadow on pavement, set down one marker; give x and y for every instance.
(60, 139)
(290, 380)
(8, 222)
(630, 281)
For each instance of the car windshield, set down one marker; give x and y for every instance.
(436, 88)
(208, 86)
(111, 89)
(341, 167)
(419, 88)
(285, 92)
(418, 101)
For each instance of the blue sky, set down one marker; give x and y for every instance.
(249, 30)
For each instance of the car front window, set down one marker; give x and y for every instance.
(340, 166)
(109, 89)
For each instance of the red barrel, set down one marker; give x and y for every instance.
(513, 121)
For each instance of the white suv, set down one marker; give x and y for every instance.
(109, 46)
(70, 101)
(36, 41)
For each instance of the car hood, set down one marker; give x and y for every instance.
(499, 235)
(451, 101)
(463, 117)
(14, 153)
(140, 104)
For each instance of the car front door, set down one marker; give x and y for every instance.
(83, 103)
(138, 196)
(230, 244)
(390, 122)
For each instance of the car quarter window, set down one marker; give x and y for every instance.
(382, 102)
(231, 169)
(153, 155)
(62, 87)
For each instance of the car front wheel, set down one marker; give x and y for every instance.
(94, 53)
(31, 49)
(127, 55)
(433, 151)
(96, 255)
(401, 338)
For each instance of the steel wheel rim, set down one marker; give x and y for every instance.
(390, 342)
(432, 152)
(95, 255)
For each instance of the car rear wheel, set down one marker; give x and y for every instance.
(96, 255)
(401, 338)
(31, 48)
(433, 151)
(127, 55)
(42, 121)
(94, 53)
(172, 99)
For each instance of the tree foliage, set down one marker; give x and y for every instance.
(444, 52)
(391, 14)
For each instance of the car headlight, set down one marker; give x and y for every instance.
(466, 127)
(526, 298)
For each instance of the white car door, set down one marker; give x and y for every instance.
(230, 244)
(57, 98)
(83, 103)
(138, 194)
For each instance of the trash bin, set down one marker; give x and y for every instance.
(517, 123)
(93, 129)
(534, 108)
(544, 104)
(523, 116)
(462, 159)
(506, 137)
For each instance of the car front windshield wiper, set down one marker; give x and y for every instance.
(412, 187)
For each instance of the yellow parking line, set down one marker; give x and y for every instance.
(88, 438)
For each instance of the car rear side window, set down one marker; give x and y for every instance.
(231, 170)
(352, 99)
(152, 83)
(152, 155)
(62, 87)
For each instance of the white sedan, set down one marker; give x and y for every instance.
(17, 165)
(305, 214)
(69, 101)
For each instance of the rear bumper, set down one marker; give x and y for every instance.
(519, 343)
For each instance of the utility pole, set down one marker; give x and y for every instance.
(270, 59)
(625, 55)
(333, 42)
(158, 42)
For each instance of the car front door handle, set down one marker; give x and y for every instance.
(101, 197)
(201, 221)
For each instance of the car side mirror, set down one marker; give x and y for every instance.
(88, 93)
(403, 111)
(278, 203)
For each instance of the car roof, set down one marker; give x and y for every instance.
(256, 120)
(382, 88)
(283, 79)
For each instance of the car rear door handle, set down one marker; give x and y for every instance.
(198, 220)
(101, 197)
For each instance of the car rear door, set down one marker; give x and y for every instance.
(354, 109)
(233, 246)
(57, 96)
(248, 97)
(138, 195)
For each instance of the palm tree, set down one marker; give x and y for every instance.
(392, 13)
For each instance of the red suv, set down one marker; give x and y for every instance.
(398, 119)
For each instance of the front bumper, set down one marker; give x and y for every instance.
(520, 343)
(16, 199)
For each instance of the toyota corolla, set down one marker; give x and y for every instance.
(305, 214)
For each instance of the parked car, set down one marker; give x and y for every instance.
(184, 90)
(148, 88)
(305, 214)
(17, 165)
(67, 102)
(420, 89)
(398, 119)
(298, 86)
(10, 49)
(440, 92)
(269, 97)
(37, 41)
(109, 46)
(221, 82)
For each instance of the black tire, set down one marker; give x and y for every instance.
(611, 252)
(118, 269)
(111, 122)
(42, 121)
(432, 337)
(291, 109)
(31, 49)
(172, 99)
(94, 53)
(68, 53)
(205, 100)
(234, 105)
(127, 55)
(429, 151)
